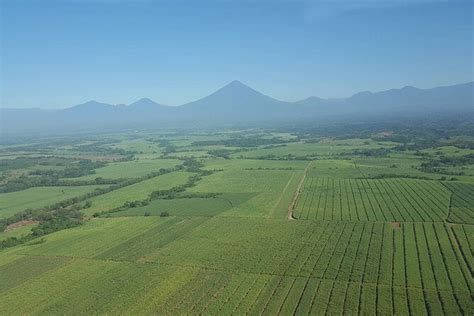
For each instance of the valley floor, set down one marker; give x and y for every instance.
(323, 235)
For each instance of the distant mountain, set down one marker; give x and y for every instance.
(145, 103)
(91, 106)
(411, 100)
(312, 101)
(236, 103)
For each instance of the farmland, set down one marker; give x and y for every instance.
(238, 222)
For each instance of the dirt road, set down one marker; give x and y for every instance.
(297, 193)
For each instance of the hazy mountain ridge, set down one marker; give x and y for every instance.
(238, 103)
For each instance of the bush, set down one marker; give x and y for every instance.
(164, 214)
(146, 214)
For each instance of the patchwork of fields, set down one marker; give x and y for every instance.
(328, 232)
(202, 265)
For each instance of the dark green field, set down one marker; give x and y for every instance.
(239, 222)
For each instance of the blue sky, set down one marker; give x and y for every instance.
(57, 54)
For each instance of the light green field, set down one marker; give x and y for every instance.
(242, 164)
(14, 202)
(271, 189)
(312, 149)
(131, 169)
(382, 200)
(139, 145)
(448, 150)
(189, 206)
(16, 232)
(186, 154)
(138, 191)
(206, 266)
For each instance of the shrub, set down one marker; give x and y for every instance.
(164, 214)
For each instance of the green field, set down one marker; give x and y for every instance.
(289, 267)
(190, 206)
(11, 203)
(131, 169)
(382, 200)
(137, 191)
(254, 222)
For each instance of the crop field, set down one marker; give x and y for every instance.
(136, 191)
(290, 268)
(383, 200)
(271, 198)
(237, 222)
(461, 208)
(131, 169)
(11, 203)
(190, 206)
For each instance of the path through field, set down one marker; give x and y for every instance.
(297, 193)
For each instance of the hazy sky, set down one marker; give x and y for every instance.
(61, 53)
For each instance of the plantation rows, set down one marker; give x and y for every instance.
(393, 200)
(353, 268)
(462, 202)
(350, 267)
(221, 293)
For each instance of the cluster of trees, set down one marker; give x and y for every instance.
(378, 152)
(101, 147)
(261, 168)
(222, 153)
(245, 141)
(25, 162)
(50, 221)
(191, 165)
(52, 177)
(65, 214)
(440, 164)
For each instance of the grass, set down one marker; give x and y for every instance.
(16, 232)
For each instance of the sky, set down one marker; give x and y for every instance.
(56, 54)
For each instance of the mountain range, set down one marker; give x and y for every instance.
(237, 103)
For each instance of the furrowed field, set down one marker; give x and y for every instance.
(237, 222)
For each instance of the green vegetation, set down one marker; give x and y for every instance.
(384, 200)
(14, 202)
(307, 220)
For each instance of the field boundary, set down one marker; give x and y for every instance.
(297, 193)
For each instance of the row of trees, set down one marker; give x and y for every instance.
(65, 214)
(190, 165)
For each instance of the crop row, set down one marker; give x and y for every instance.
(461, 209)
(372, 200)
(357, 267)
(324, 267)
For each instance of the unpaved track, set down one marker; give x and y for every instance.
(297, 193)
